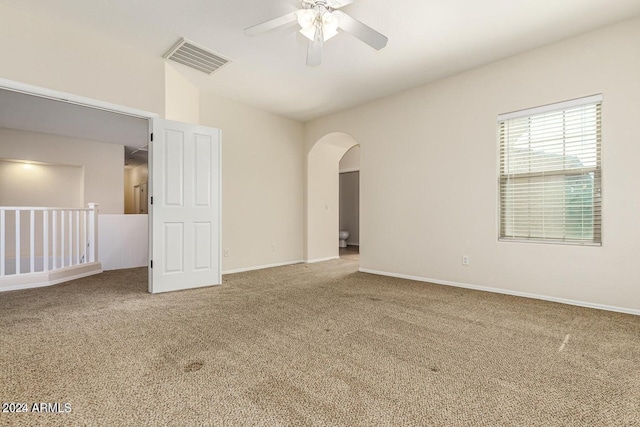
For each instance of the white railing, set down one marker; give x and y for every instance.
(36, 240)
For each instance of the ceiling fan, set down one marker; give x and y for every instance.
(320, 20)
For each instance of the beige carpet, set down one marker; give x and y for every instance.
(316, 344)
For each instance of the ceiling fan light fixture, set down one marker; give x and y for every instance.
(309, 32)
(330, 22)
(310, 23)
(306, 18)
(319, 21)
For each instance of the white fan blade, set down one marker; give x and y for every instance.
(314, 52)
(363, 32)
(271, 24)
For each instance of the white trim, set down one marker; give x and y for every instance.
(220, 272)
(507, 292)
(73, 99)
(261, 267)
(350, 170)
(313, 261)
(551, 107)
(50, 278)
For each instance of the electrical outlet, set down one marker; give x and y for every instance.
(273, 247)
(465, 260)
(226, 251)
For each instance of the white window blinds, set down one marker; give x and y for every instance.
(550, 173)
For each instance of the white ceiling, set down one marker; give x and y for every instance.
(428, 40)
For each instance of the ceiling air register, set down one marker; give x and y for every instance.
(197, 57)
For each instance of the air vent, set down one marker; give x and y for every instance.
(197, 57)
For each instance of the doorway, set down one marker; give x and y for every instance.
(349, 169)
(140, 202)
(323, 196)
(46, 127)
(84, 118)
(140, 198)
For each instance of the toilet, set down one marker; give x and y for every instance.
(343, 235)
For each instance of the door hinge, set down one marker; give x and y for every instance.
(151, 136)
(151, 199)
(151, 263)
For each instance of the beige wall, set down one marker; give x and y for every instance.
(262, 183)
(102, 163)
(262, 174)
(132, 177)
(41, 185)
(70, 59)
(182, 99)
(429, 194)
(323, 203)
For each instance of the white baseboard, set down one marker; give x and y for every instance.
(313, 261)
(261, 267)
(42, 279)
(507, 292)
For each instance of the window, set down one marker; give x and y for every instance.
(550, 173)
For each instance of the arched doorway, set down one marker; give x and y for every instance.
(349, 204)
(322, 201)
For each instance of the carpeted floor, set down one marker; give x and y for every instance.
(317, 344)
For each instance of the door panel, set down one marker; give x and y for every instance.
(203, 244)
(173, 162)
(173, 248)
(185, 214)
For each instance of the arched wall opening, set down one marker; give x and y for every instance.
(349, 197)
(322, 207)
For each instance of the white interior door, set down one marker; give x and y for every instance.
(185, 236)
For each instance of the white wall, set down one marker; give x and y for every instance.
(350, 162)
(429, 194)
(43, 185)
(123, 241)
(102, 163)
(262, 183)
